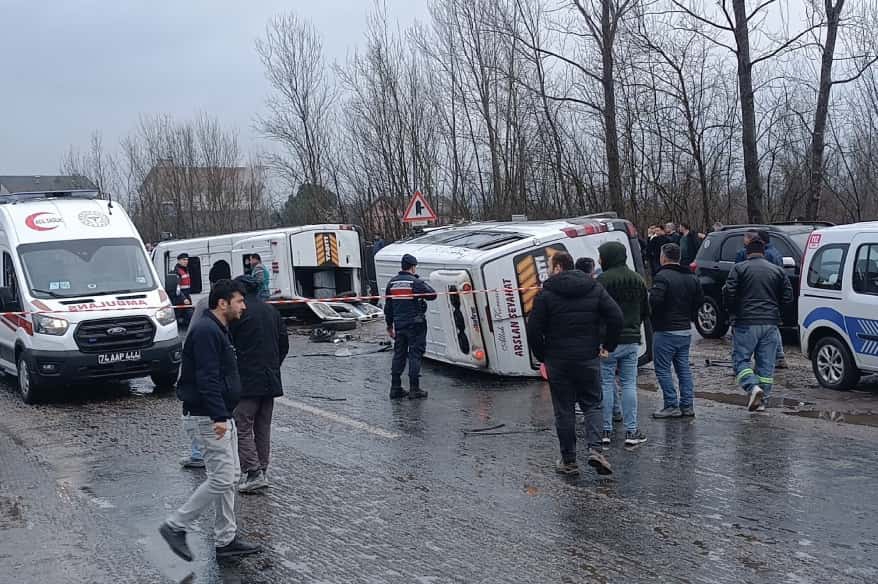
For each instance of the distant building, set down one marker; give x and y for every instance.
(191, 201)
(31, 183)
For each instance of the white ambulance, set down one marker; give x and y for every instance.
(80, 301)
(306, 262)
(838, 304)
(504, 264)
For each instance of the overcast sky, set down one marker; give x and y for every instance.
(69, 67)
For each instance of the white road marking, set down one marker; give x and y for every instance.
(339, 418)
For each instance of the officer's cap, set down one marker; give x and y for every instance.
(408, 260)
(183, 256)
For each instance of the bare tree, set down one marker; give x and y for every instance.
(95, 164)
(738, 22)
(301, 105)
(863, 56)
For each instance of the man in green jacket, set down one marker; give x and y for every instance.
(628, 289)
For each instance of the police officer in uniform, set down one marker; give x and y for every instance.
(405, 313)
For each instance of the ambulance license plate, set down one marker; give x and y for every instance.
(122, 357)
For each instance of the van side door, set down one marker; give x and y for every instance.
(12, 302)
(861, 300)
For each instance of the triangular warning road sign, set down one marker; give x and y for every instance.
(418, 210)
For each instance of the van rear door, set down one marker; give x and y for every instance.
(327, 263)
(455, 328)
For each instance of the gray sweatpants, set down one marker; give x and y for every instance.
(253, 417)
(223, 473)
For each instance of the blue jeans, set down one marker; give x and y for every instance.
(668, 350)
(780, 352)
(196, 452)
(625, 358)
(759, 343)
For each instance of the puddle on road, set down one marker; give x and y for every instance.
(839, 417)
(740, 399)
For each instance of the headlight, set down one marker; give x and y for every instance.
(50, 325)
(165, 316)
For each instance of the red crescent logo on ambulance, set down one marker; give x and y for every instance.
(43, 221)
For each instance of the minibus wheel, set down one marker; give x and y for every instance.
(30, 391)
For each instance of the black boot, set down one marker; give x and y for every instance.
(396, 390)
(416, 391)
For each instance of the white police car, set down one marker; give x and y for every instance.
(838, 304)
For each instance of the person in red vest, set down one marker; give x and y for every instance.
(185, 288)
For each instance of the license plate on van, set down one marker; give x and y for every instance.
(122, 357)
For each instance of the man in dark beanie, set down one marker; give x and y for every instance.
(405, 311)
(262, 344)
(754, 293)
(628, 289)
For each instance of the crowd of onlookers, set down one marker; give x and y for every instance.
(587, 332)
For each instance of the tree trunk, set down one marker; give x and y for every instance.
(614, 172)
(748, 115)
(818, 138)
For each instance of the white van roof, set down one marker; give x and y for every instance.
(277, 231)
(39, 219)
(864, 226)
(450, 243)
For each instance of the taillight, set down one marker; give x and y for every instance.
(163, 296)
(479, 355)
(275, 267)
(632, 230)
(467, 287)
(583, 230)
(693, 266)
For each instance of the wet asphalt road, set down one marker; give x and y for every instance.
(365, 490)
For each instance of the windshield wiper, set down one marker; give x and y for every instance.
(50, 293)
(111, 292)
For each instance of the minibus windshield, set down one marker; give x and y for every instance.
(86, 267)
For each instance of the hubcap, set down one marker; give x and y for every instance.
(23, 378)
(830, 364)
(707, 317)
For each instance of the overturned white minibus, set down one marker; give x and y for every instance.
(503, 265)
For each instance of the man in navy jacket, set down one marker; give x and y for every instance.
(210, 388)
(405, 311)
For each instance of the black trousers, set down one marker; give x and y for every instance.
(409, 347)
(573, 382)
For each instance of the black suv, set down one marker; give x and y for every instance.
(715, 259)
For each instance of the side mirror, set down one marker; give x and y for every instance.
(789, 262)
(8, 301)
(172, 282)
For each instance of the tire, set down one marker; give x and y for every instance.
(711, 320)
(31, 391)
(164, 381)
(834, 365)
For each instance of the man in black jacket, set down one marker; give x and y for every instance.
(674, 298)
(209, 388)
(754, 293)
(262, 344)
(563, 332)
(654, 248)
(405, 311)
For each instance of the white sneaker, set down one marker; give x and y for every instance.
(756, 398)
